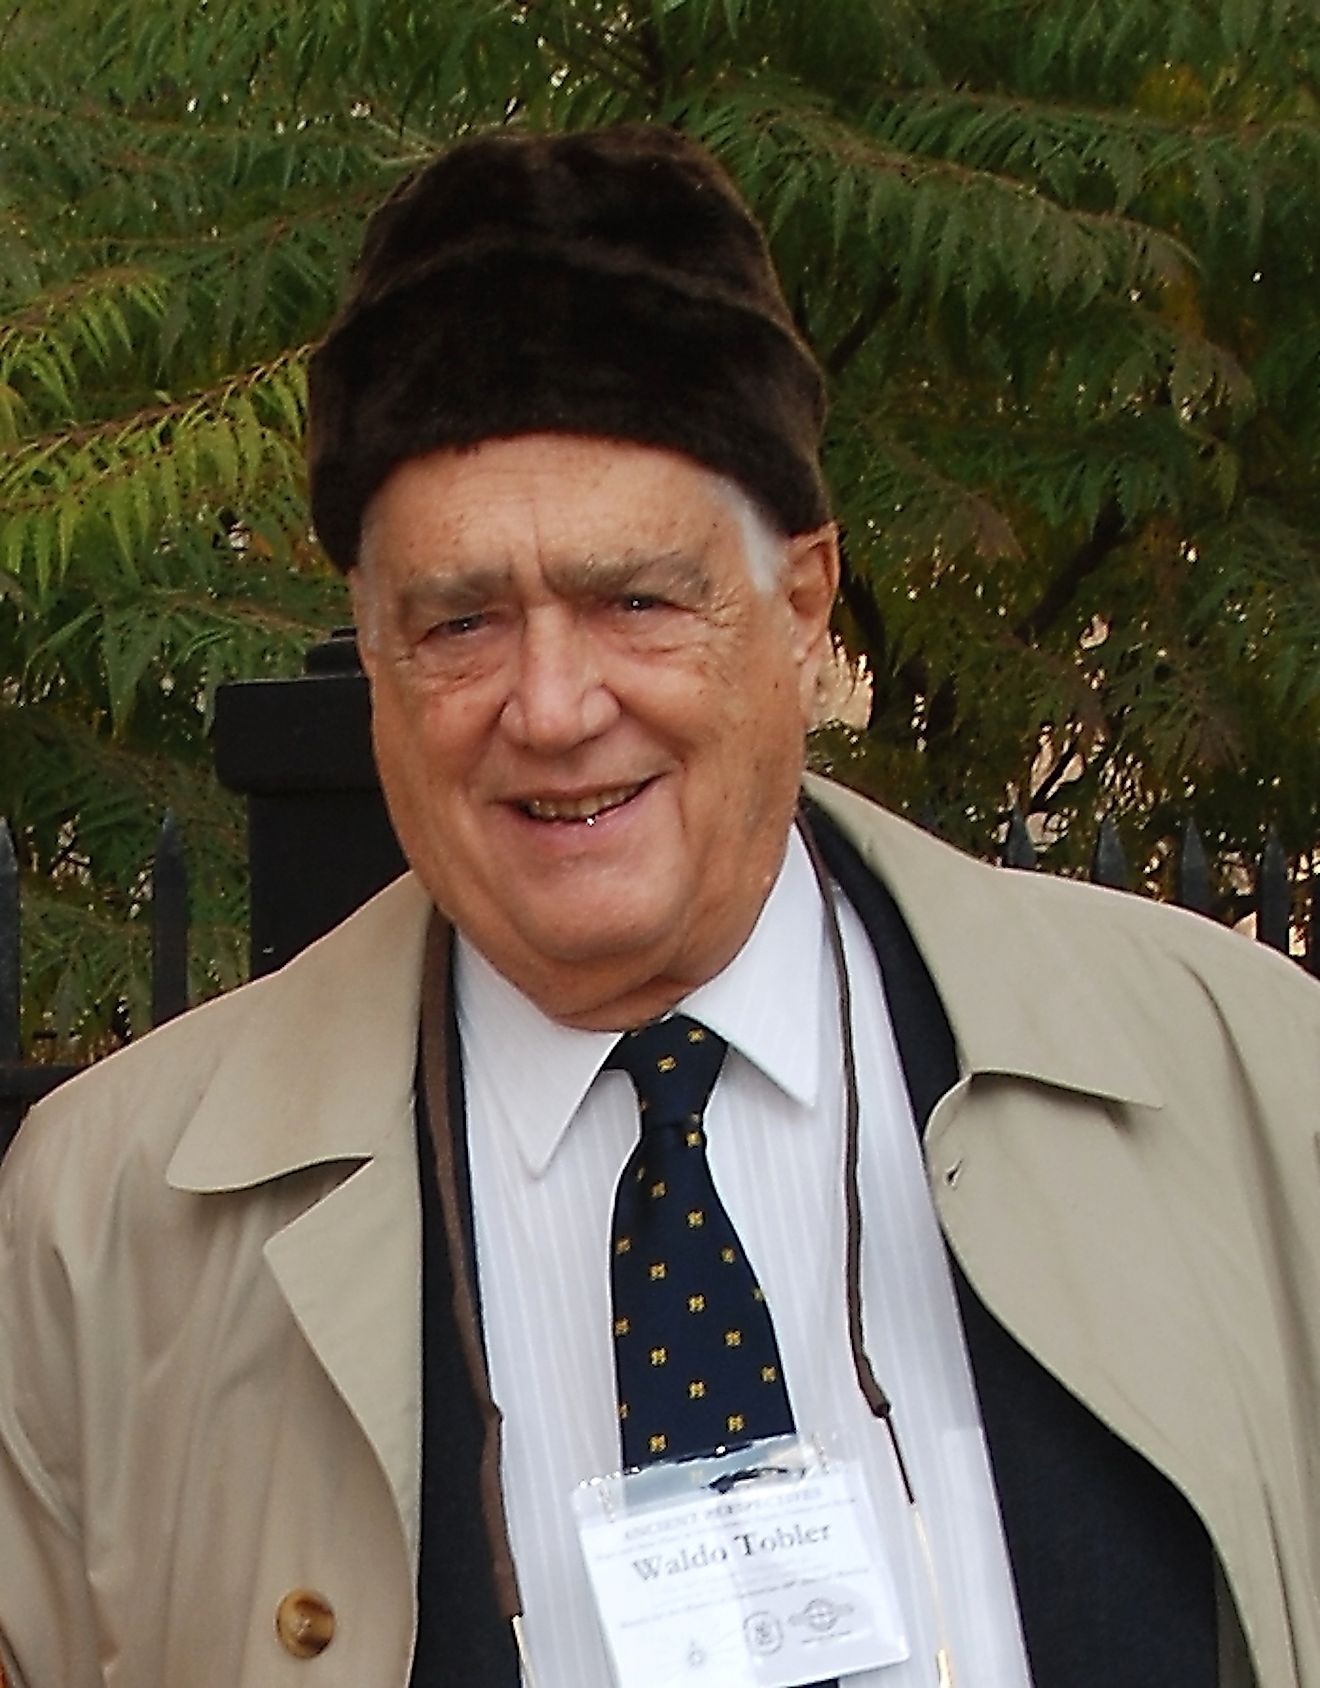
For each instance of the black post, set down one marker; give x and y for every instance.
(169, 925)
(11, 1109)
(1272, 910)
(1191, 885)
(1018, 849)
(1108, 864)
(319, 839)
(9, 947)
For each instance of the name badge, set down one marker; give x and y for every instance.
(760, 1568)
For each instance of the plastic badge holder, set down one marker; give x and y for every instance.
(760, 1567)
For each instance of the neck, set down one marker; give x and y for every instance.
(619, 1002)
(620, 993)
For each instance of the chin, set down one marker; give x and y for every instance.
(602, 942)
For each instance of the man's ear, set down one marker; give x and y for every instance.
(808, 584)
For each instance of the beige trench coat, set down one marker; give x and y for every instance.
(209, 1264)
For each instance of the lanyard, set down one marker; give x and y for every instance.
(449, 1139)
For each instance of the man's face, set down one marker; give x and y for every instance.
(588, 716)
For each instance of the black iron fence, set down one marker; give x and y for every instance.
(25, 1080)
(1270, 893)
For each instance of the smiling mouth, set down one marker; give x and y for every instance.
(580, 808)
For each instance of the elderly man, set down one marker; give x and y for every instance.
(346, 1321)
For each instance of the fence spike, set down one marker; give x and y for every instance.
(1018, 849)
(1108, 863)
(1191, 879)
(9, 947)
(1272, 911)
(169, 924)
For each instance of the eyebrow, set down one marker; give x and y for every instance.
(456, 594)
(469, 589)
(604, 576)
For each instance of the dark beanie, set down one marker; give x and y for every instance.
(609, 283)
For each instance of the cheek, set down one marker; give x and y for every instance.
(753, 754)
(768, 694)
(393, 725)
(411, 753)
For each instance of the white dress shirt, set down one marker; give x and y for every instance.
(549, 1134)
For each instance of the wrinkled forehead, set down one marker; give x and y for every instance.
(566, 501)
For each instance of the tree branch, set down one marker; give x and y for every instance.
(862, 607)
(1038, 798)
(608, 55)
(941, 705)
(849, 344)
(1108, 532)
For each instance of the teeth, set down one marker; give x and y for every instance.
(579, 808)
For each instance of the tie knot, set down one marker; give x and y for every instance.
(673, 1064)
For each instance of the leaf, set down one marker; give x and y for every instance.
(1069, 245)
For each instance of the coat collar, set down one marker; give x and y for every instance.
(339, 1029)
(1003, 950)
(334, 1037)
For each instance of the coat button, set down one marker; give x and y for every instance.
(305, 1623)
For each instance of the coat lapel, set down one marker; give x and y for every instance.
(333, 1037)
(1010, 985)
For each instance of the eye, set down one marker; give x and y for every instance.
(635, 602)
(456, 626)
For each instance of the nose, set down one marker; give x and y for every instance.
(558, 698)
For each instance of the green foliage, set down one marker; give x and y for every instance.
(1059, 257)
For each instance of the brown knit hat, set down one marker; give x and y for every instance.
(609, 283)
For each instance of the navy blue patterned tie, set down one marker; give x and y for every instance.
(696, 1360)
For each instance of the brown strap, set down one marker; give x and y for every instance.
(867, 1381)
(435, 1077)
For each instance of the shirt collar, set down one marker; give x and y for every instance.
(765, 1004)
